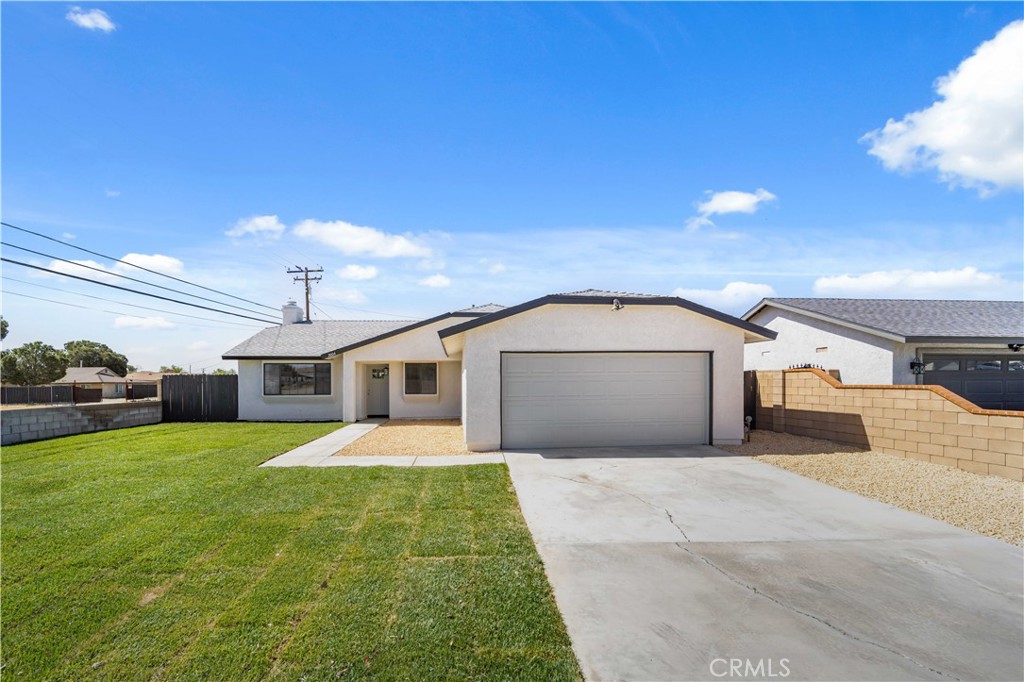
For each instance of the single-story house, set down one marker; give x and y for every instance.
(585, 368)
(973, 348)
(113, 385)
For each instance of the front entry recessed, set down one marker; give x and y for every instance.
(378, 403)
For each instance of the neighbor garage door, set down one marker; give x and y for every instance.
(595, 399)
(995, 382)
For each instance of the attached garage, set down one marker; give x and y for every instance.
(993, 381)
(604, 399)
(598, 368)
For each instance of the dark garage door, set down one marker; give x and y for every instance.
(995, 382)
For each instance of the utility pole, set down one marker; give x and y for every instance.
(306, 279)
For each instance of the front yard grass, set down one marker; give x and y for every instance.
(163, 552)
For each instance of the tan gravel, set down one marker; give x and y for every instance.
(420, 437)
(983, 504)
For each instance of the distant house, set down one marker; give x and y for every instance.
(96, 377)
(973, 348)
(145, 377)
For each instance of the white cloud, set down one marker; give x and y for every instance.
(81, 268)
(198, 345)
(267, 226)
(67, 236)
(148, 323)
(92, 19)
(497, 269)
(732, 296)
(974, 135)
(112, 193)
(355, 240)
(168, 265)
(358, 272)
(966, 282)
(94, 270)
(437, 281)
(722, 203)
(341, 295)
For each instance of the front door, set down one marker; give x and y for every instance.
(377, 394)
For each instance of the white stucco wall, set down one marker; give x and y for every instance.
(861, 358)
(597, 328)
(418, 345)
(254, 406)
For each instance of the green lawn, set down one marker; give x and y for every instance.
(164, 553)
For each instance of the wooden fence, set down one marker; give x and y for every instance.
(36, 395)
(200, 398)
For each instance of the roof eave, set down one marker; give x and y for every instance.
(995, 340)
(401, 330)
(555, 299)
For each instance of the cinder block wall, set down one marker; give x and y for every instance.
(39, 423)
(928, 423)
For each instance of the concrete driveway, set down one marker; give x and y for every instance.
(692, 564)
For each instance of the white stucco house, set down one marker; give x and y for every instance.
(586, 368)
(973, 348)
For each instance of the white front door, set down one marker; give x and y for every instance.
(551, 400)
(377, 395)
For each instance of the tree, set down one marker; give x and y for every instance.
(92, 354)
(132, 368)
(3, 328)
(224, 372)
(33, 364)
(173, 369)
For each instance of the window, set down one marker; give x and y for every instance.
(421, 378)
(984, 365)
(1015, 365)
(942, 365)
(118, 389)
(294, 378)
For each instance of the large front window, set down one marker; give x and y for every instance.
(297, 378)
(421, 378)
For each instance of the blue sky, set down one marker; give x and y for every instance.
(432, 156)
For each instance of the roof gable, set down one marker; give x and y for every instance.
(598, 297)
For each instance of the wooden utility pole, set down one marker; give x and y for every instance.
(306, 279)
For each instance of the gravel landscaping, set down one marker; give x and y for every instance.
(420, 437)
(984, 504)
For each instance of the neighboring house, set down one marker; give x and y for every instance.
(970, 347)
(586, 368)
(143, 377)
(95, 377)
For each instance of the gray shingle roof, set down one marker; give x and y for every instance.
(311, 339)
(919, 318)
(600, 292)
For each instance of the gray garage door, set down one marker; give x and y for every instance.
(597, 399)
(995, 382)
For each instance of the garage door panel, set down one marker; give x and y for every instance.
(593, 399)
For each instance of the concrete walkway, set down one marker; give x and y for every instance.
(675, 563)
(320, 453)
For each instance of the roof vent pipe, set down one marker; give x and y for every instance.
(290, 313)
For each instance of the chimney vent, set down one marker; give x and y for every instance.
(290, 313)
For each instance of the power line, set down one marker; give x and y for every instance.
(130, 305)
(118, 260)
(86, 307)
(132, 279)
(307, 279)
(136, 291)
(372, 312)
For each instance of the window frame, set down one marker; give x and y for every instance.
(437, 380)
(314, 394)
